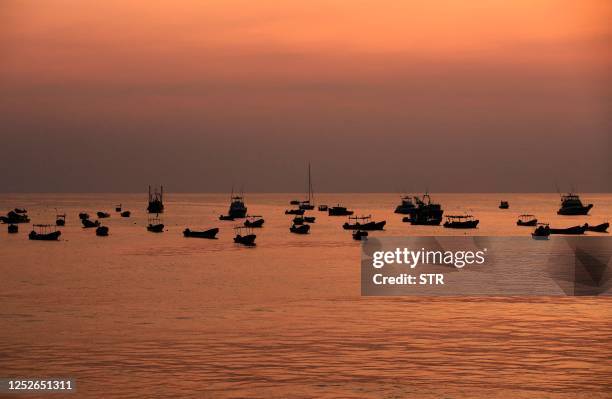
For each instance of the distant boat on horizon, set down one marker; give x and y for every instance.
(156, 200)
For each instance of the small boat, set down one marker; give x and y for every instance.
(600, 228)
(527, 220)
(88, 224)
(541, 232)
(360, 235)
(118, 208)
(46, 232)
(60, 220)
(126, 214)
(426, 213)
(461, 222)
(210, 233)
(363, 223)
(504, 205)
(103, 215)
(253, 221)
(294, 202)
(13, 228)
(574, 230)
(294, 212)
(298, 220)
(102, 231)
(422, 221)
(339, 210)
(155, 225)
(571, 205)
(303, 229)
(237, 208)
(244, 236)
(308, 203)
(83, 216)
(406, 207)
(156, 200)
(226, 217)
(20, 210)
(309, 219)
(13, 217)
(322, 208)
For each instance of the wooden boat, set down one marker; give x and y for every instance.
(60, 219)
(254, 221)
(88, 224)
(118, 208)
(46, 232)
(571, 205)
(542, 232)
(126, 214)
(308, 204)
(102, 231)
(303, 229)
(210, 233)
(155, 225)
(298, 220)
(103, 215)
(426, 213)
(574, 230)
(527, 220)
(600, 228)
(294, 212)
(339, 210)
(13, 228)
(406, 207)
(363, 223)
(156, 200)
(244, 236)
(226, 217)
(309, 219)
(461, 222)
(360, 235)
(83, 216)
(504, 205)
(322, 208)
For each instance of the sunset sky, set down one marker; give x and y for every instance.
(378, 95)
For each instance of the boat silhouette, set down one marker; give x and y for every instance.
(155, 225)
(226, 217)
(406, 207)
(504, 205)
(541, 232)
(210, 233)
(363, 223)
(237, 209)
(322, 208)
(13, 228)
(60, 219)
(300, 229)
(298, 220)
(83, 215)
(294, 212)
(88, 224)
(461, 222)
(574, 230)
(118, 208)
(46, 232)
(244, 236)
(126, 214)
(254, 221)
(527, 220)
(339, 210)
(308, 204)
(309, 219)
(426, 212)
(103, 215)
(571, 205)
(600, 228)
(360, 235)
(156, 200)
(13, 217)
(102, 231)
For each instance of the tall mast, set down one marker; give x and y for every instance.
(309, 185)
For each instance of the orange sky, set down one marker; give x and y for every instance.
(340, 68)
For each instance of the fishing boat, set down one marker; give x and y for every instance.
(298, 220)
(13, 217)
(103, 215)
(461, 222)
(155, 225)
(426, 213)
(44, 232)
(60, 219)
(308, 204)
(88, 224)
(574, 230)
(309, 219)
(226, 217)
(20, 210)
(237, 209)
(363, 223)
(118, 208)
(253, 221)
(600, 228)
(504, 205)
(339, 210)
(294, 212)
(300, 229)
(210, 233)
(294, 202)
(83, 215)
(13, 228)
(323, 208)
(126, 214)
(541, 232)
(527, 220)
(571, 205)
(360, 235)
(156, 200)
(102, 231)
(244, 236)
(406, 207)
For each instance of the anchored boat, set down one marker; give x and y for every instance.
(339, 210)
(574, 230)
(210, 233)
(156, 200)
(302, 229)
(571, 205)
(88, 224)
(461, 222)
(294, 212)
(237, 209)
(527, 220)
(60, 219)
(126, 214)
(407, 207)
(254, 221)
(360, 235)
(155, 225)
(102, 231)
(504, 205)
(14, 217)
(44, 232)
(308, 204)
(103, 215)
(363, 223)
(600, 228)
(427, 213)
(13, 228)
(541, 232)
(244, 236)
(322, 208)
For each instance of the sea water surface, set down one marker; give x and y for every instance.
(139, 314)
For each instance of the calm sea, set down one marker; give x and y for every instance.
(138, 314)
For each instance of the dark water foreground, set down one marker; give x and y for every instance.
(137, 314)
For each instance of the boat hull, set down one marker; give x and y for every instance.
(470, 224)
(13, 228)
(360, 235)
(303, 229)
(532, 222)
(575, 210)
(155, 228)
(225, 217)
(255, 224)
(600, 228)
(575, 230)
(339, 212)
(248, 240)
(102, 231)
(294, 212)
(88, 224)
(54, 236)
(210, 234)
(365, 226)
